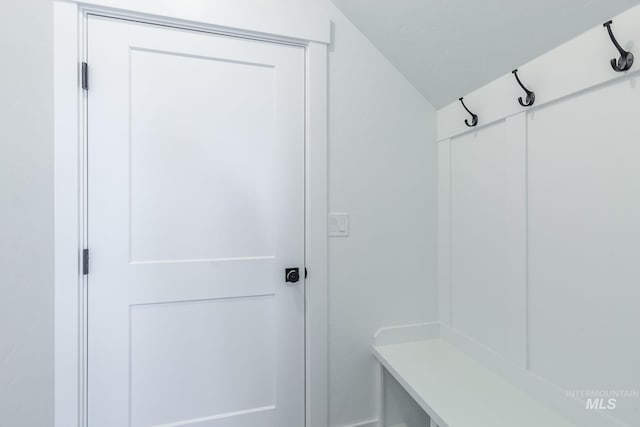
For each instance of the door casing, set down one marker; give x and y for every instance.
(70, 208)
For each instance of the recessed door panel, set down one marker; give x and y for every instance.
(176, 351)
(182, 165)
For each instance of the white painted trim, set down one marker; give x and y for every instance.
(517, 263)
(406, 333)
(69, 333)
(444, 232)
(70, 390)
(380, 392)
(255, 20)
(369, 423)
(316, 257)
(573, 67)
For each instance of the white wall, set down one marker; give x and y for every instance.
(26, 214)
(558, 186)
(383, 170)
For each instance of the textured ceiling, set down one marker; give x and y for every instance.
(447, 48)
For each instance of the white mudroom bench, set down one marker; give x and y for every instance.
(457, 391)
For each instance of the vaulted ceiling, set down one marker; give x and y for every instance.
(448, 48)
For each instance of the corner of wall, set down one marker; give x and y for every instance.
(383, 172)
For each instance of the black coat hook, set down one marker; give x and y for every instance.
(474, 117)
(531, 96)
(626, 58)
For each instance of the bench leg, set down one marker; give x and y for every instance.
(381, 395)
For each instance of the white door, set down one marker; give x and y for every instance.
(195, 209)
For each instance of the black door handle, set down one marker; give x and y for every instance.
(291, 275)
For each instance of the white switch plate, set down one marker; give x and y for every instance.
(338, 224)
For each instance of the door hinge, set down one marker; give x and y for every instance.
(305, 273)
(85, 76)
(85, 261)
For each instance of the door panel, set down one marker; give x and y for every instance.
(228, 141)
(196, 207)
(158, 341)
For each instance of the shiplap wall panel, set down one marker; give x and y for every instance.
(479, 235)
(584, 242)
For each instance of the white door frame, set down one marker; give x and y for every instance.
(70, 194)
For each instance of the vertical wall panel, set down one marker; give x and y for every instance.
(479, 235)
(444, 231)
(584, 250)
(516, 267)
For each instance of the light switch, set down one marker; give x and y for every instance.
(338, 224)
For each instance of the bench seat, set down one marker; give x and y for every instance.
(456, 391)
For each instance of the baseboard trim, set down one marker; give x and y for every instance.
(370, 423)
